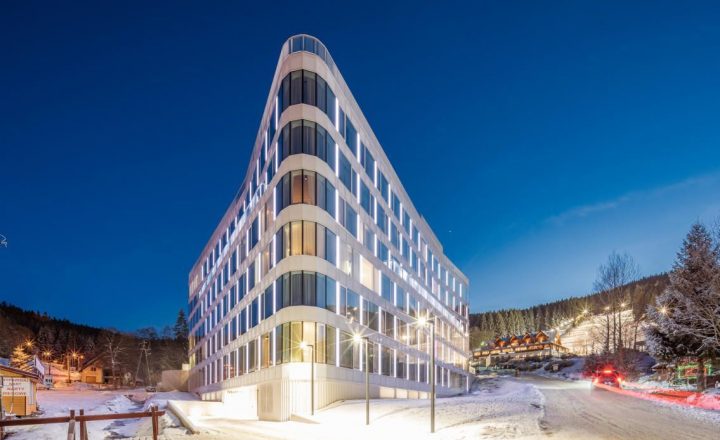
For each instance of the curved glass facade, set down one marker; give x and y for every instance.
(322, 226)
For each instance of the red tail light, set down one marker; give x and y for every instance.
(607, 371)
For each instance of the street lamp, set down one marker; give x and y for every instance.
(425, 322)
(304, 345)
(358, 339)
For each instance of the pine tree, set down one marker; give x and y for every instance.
(180, 329)
(20, 359)
(687, 312)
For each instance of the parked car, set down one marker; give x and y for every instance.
(608, 376)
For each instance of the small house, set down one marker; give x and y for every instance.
(92, 371)
(19, 391)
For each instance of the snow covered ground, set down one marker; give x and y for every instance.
(496, 408)
(59, 402)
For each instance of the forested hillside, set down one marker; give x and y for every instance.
(59, 337)
(487, 325)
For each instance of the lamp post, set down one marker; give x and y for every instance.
(358, 339)
(303, 346)
(424, 322)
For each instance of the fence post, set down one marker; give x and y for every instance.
(153, 410)
(71, 426)
(83, 427)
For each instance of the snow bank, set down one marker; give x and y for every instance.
(495, 408)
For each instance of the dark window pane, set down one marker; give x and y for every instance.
(321, 95)
(320, 140)
(285, 92)
(320, 291)
(296, 87)
(309, 288)
(296, 137)
(309, 138)
(309, 87)
(296, 288)
(331, 106)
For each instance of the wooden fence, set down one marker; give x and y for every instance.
(77, 424)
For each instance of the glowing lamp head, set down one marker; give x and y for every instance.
(357, 338)
(585, 312)
(663, 310)
(422, 321)
(303, 345)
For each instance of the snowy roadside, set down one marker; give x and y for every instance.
(496, 408)
(55, 403)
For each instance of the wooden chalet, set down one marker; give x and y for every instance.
(521, 346)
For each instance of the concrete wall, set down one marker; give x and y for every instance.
(285, 390)
(174, 380)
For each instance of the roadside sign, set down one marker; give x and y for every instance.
(17, 386)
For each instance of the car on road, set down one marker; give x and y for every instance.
(608, 376)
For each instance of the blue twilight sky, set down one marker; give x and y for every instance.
(535, 137)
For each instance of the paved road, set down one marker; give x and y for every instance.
(574, 411)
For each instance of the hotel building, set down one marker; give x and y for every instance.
(321, 243)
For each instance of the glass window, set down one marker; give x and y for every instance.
(251, 276)
(295, 338)
(369, 239)
(346, 350)
(286, 290)
(267, 302)
(331, 338)
(296, 135)
(352, 302)
(309, 286)
(265, 350)
(331, 105)
(396, 205)
(321, 95)
(285, 242)
(320, 239)
(400, 298)
(284, 193)
(308, 187)
(350, 221)
(320, 343)
(368, 162)
(345, 171)
(366, 200)
(330, 297)
(382, 220)
(330, 246)
(321, 291)
(388, 323)
(367, 273)
(296, 288)
(309, 238)
(371, 315)
(309, 87)
(321, 192)
(330, 198)
(296, 87)
(351, 137)
(285, 93)
(387, 288)
(296, 238)
(309, 138)
(330, 151)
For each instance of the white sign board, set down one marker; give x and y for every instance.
(16, 386)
